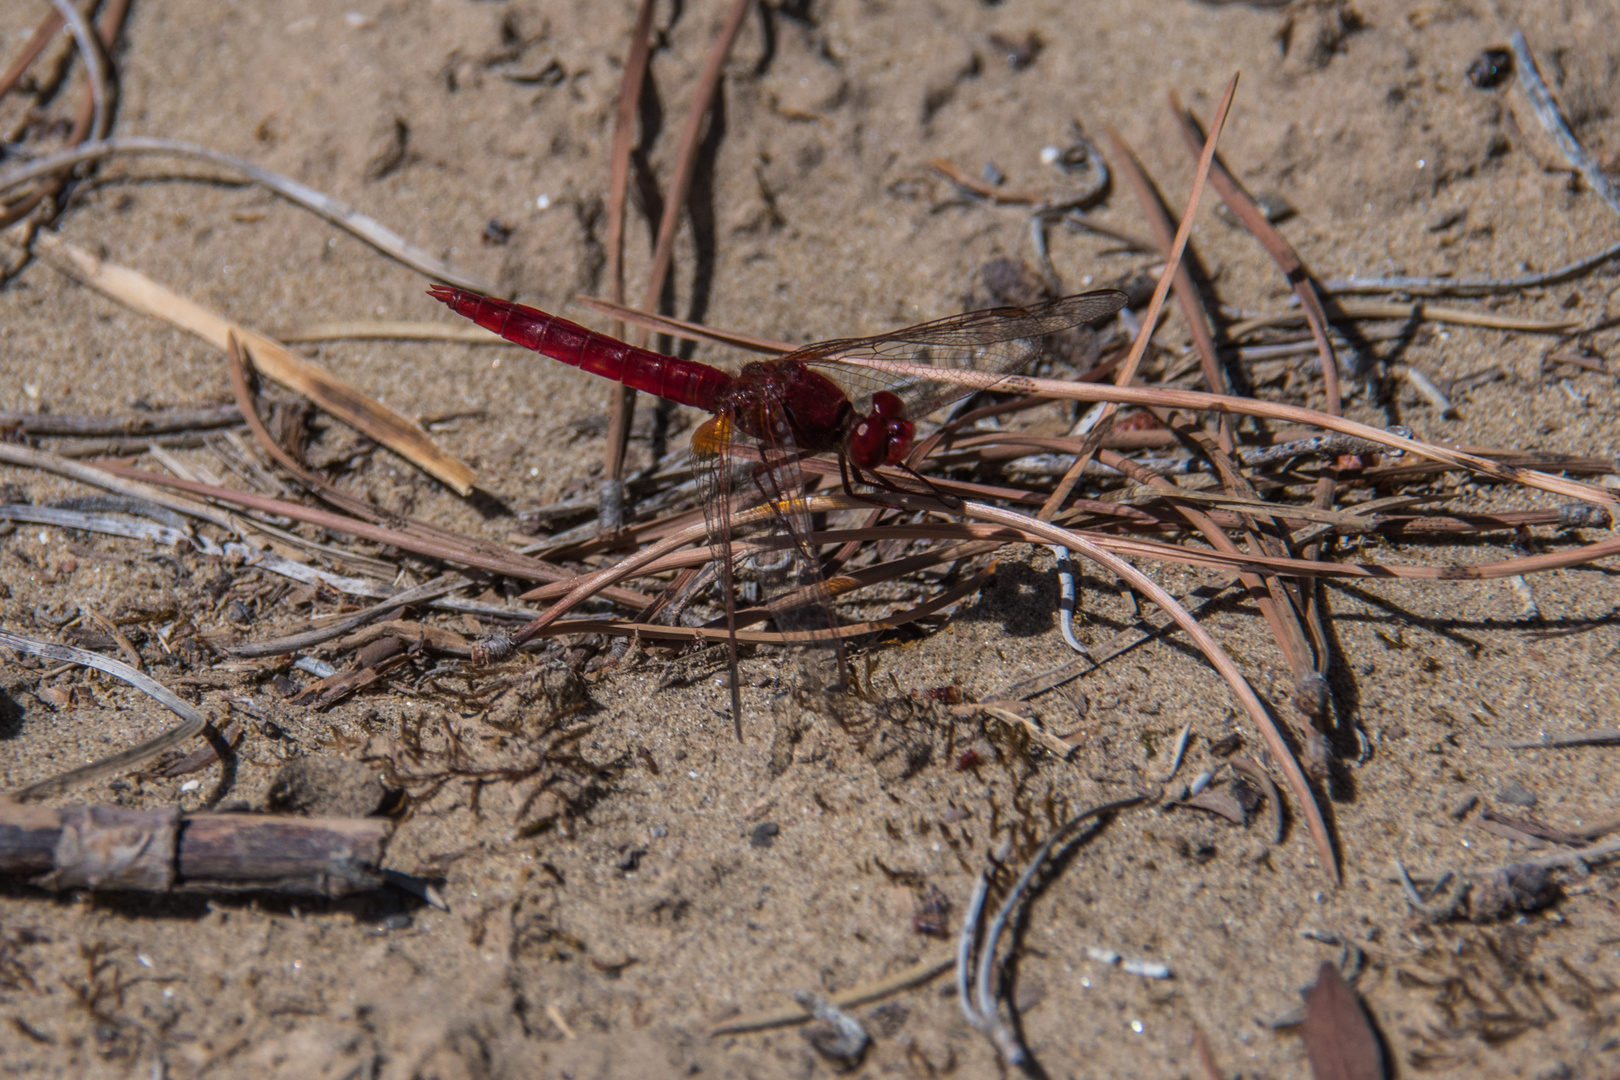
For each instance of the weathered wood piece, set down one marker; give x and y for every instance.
(118, 848)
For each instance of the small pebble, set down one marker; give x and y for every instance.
(1490, 69)
(1272, 207)
(496, 233)
(1516, 794)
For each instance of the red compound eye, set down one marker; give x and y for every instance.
(899, 434)
(884, 435)
(868, 444)
(886, 406)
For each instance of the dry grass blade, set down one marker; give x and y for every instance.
(1194, 400)
(153, 423)
(1192, 309)
(1552, 119)
(1280, 750)
(1053, 745)
(95, 62)
(125, 646)
(708, 85)
(236, 363)
(703, 93)
(1281, 251)
(294, 642)
(591, 584)
(1585, 738)
(372, 418)
(1364, 309)
(1007, 1037)
(454, 545)
(1000, 196)
(836, 583)
(622, 410)
(1587, 856)
(1172, 493)
(36, 44)
(1206, 1058)
(1221, 560)
(371, 231)
(192, 723)
(1276, 604)
(848, 631)
(635, 73)
(434, 546)
(680, 328)
(1127, 370)
(673, 554)
(1279, 613)
(383, 330)
(1339, 1040)
(94, 114)
(1150, 317)
(24, 457)
(667, 553)
(1474, 286)
(916, 975)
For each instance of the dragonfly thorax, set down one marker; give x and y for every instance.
(788, 400)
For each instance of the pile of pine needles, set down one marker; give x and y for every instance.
(1169, 465)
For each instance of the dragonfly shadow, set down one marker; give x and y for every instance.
(11, 716)
(1023, 599)
(489, 505)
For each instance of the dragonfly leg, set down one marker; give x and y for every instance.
(882, 483)
(845, 468)
(850, 473)
(951, 501)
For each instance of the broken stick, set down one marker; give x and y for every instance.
(162, 850)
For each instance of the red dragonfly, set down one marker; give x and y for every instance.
(800, 404)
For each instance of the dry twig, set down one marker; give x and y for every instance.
(193, 722)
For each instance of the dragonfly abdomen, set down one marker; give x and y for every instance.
(684, 382)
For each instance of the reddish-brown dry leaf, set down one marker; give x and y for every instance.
(1206, 1058)
(1339, 1038)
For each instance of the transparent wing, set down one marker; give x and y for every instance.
(782, 582)
(1003, 340)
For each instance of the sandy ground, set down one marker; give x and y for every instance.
(607, 941)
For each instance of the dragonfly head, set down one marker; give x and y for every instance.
(882, 436)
